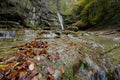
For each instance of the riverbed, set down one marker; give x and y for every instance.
(83, 55)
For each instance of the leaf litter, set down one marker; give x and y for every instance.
(23, 66)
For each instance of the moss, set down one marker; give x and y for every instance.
(80, 24)
(117, 47)
(53, 6)
(70, 75)
(10, 24)
(97, 12)
(33, 27)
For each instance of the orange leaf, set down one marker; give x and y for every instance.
(50, 70)
(62, 69)
(9, 64)
(50, 77)
(13, 75)
(91, 72)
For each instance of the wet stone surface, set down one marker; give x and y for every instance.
(71, 55)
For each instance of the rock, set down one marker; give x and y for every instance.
(25, 12)
(57, 75)
(72, 28)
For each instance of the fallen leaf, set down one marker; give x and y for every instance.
(31, 66)
(38, 57)
(2, 66)
(43, 67)
(91, 72)
(13, 75)
(22, 75)
(9, 64)
(35, 78)
(22, 66)
(18, 63)
(50, 70)
(56, 58)
(50, 77)
(33, 73)
(62, 70)
(11, 59)
(39, 75)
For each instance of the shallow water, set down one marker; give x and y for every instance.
(99, 53)
(7, 34)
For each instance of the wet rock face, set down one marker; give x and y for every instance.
(25, 12)
(13, 11)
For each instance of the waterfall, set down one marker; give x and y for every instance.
(61, 20)
(32, 16)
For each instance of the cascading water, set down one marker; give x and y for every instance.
(7, 34)
(61, 20)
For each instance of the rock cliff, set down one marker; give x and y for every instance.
(26, 13)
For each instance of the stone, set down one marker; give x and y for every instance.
(26, 12)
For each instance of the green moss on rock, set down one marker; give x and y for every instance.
(97, 12)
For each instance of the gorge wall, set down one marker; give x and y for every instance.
(27, 13)
(95, 14)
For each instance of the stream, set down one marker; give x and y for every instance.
(90, 55)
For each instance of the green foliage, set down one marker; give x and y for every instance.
(95, 12)
(33, 27)
(15, 49)
(69, 75)
(82, 66)
(116, 47)
(58, 5)
(53, 6)
(63, 6)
